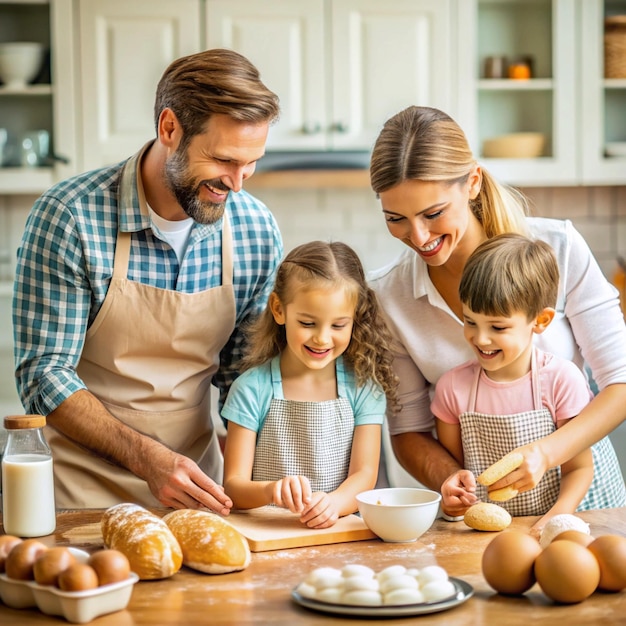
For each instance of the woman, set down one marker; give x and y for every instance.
(442, 205)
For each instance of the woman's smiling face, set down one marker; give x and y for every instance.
(432, 217)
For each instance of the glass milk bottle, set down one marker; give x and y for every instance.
(28, 508)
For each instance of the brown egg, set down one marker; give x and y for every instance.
(610, 551)
(111, 566)
(51, 563)
(6, 544)
(576, 536)
(567, 572)
(20, 561)
(78, 577)
(507, 562)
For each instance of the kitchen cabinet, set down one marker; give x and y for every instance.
(566, 98)
(340, 67)
(43, 104)
(124, 49)
(542, 32)
(603, 100)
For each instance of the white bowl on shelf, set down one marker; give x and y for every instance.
(20, 62)
(514, 146)
(615, 149)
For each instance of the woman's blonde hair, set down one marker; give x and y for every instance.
(508, 274)
(422, 143)
(318, 264)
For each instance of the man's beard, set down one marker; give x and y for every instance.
(186, 190)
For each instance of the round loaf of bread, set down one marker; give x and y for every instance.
(149, 545)
(501, 468)
(210, 544)
(486, 516)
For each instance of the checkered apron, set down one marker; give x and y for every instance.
(312, 439)
(487, 438)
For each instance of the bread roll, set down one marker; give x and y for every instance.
(210, 544)
(501, 468)
(145, 539)
(502, 495)
(486, 516)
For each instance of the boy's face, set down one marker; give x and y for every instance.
(502, 345)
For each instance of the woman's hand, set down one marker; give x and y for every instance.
(292, 492)
(530, 472)
(458, 493)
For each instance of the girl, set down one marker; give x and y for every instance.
(305, 416)
(442, 204)
(511, 393)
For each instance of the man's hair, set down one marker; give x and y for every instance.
(216, 81)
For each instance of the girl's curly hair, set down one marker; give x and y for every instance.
(319, 264)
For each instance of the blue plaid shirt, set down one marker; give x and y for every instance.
(65, 263)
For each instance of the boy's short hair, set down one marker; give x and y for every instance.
(510, 273)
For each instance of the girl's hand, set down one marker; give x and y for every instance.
(458, 493)
(530, 472)
(321, 512)
(292, 492)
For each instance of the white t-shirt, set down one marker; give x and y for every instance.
(588, 326)
(175, 233)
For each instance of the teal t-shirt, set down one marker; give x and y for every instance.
(250, 395)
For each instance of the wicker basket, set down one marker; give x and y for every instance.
(615, 46)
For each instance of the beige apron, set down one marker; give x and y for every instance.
(148, 357)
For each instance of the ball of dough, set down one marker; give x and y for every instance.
(438, 590)
(361, 582)
(330, 594)
(398, 582)
(392, 570)
(356, 569)
(431, 573)
(487, 516)
(362, 598)
(403, 596)
(306, 590)
(559, 523)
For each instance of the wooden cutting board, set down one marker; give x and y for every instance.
(265, 528)
(273, 528)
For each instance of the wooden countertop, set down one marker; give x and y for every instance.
(261, 593)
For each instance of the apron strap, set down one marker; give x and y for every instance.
(535, 381)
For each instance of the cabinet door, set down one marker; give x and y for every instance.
(603, 119)
(543, 32)
(125, 47)
(285, 40)
(386, 56)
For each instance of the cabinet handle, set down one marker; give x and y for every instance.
(311, 128)
(340, 127)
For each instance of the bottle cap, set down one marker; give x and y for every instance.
(14, 422)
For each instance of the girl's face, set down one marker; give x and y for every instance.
(318, 325)
(434, 218)
(502, 344)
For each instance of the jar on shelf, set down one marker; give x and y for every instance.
(615, 46)
(28, 506)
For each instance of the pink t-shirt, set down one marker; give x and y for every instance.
(564, 391)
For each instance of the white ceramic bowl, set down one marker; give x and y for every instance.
(514, 146)
(20, 62)
(399, 514)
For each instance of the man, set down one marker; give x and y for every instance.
(132, 287)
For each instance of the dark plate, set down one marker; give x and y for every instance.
(464, 592)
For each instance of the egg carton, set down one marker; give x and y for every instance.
(77, 607)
